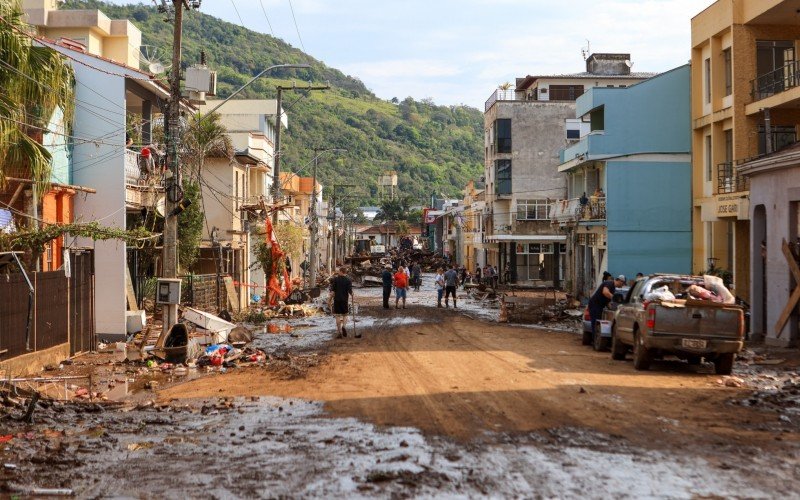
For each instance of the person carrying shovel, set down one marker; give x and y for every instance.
(341, 292)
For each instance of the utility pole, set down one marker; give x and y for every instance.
(276, 175)
(174, 192)
(314, 223)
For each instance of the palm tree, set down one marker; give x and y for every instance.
(35, 81)
(205, 136)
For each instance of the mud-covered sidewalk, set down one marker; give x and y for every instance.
(430, 402)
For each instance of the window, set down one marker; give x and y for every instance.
(726, 55)
(502, 176)
(597, 119)
(565, 92)
(708, 158)
(573, 134)
(533, 210)
(707, 79)
(502, 134)
(729, 146)
(774, 67)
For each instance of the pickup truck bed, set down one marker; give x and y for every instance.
(689, 329)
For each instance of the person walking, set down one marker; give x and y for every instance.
(463, 275)
(450, 284)
(439, 280)
(400, 286)
(477, 276)
(341, 291)
(386, 277)
(416, 276)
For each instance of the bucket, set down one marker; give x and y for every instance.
(605, 327)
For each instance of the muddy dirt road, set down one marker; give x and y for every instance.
(429, 403)
(455, 376)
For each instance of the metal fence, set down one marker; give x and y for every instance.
(63, 309)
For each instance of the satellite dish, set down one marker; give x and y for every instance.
(160, 206)
(150, 57)
(628, 63)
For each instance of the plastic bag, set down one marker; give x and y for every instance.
(661, 293)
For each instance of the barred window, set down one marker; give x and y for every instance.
(533, 209)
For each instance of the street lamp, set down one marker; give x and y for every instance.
(283, 66)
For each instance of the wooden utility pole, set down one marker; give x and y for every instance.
(174, 191)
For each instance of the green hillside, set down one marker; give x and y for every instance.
(433, 148)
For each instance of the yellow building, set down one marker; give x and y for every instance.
(472, 250)
(115, 39)
(744, 104)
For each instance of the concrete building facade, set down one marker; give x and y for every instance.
(525, 128)
(629, 182)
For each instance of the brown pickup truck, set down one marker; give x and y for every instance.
(687, 328)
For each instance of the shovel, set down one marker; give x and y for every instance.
(353, 311)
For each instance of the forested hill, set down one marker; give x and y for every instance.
(434, 149)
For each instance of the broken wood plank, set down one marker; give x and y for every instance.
(791, 260)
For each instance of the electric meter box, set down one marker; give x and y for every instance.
(168, 291)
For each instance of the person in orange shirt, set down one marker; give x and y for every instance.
(400, 286)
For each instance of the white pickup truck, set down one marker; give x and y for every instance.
(687, 328)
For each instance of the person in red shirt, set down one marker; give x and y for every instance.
(400, 286)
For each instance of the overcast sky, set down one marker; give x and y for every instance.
(458, 51)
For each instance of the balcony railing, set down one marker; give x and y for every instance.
(133, 172)
(728, 181)
(776, 81)
(502, 95)
(573, 210)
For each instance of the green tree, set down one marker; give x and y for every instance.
(205, 137)
(190, 226)
(34, 82)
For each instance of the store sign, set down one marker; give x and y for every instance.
(733, 205)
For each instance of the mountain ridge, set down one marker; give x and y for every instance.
(434, 149)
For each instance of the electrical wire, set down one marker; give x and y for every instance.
(296, 27)
(237, 13)
(264, 10)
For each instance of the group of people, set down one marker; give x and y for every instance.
(489, 275)
(400, 280)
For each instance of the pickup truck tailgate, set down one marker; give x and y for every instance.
(698, 320)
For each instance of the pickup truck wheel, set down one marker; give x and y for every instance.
(723, 364)
(641, 354)
(618, 349)
(598, 342)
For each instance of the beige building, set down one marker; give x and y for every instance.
(236, 193)
(744, 104)
(115, 39)
(471, 251)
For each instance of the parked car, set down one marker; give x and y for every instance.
(601, 342)
(687, 328)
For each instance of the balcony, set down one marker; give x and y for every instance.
(142, 181)
(503, 95)
(567, 211)
(776, 81)
(728, 181)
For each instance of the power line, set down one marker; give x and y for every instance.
(237, 14)
(264, 10)
(296, 27)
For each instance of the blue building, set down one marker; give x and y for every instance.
(629, 193)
